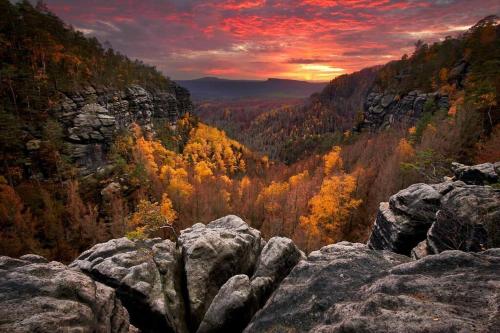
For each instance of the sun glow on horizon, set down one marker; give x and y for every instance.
(258, 39)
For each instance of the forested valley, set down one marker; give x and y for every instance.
(314, 171)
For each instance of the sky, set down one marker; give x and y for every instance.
(313, 40)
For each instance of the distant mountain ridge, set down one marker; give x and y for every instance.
(217, 88)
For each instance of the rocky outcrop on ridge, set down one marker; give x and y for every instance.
(456, 214)
(384, 109)
(347, 287)
(480, 174)
(38, 296)
(385, 106)
(92, 116)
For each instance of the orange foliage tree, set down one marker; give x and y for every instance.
(16, 230)
(331, 208)
(151, 218)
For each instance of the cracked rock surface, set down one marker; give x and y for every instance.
(240, 297)
(146, 276)
(350, 288)
(38, 296)
(223, 277)
(212, 254)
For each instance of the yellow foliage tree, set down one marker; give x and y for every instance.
(273, 200)
(331, 208)
(272, 197)
(333, 161)
(150, 218)
(176, 180)
(243, 186)
(405, 150)
(167, 210)
(202, 171)
(212, 146)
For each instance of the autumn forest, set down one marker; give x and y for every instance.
(313, 170)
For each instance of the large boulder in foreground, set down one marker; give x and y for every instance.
(240, 297)
(456, 214)
(277, 259)
(38, 296)
(328, 276)
(147, 277)
(212, 254)
(469, 220)
(403, 222)
(349, 288)
(232, 308)
(217, 275)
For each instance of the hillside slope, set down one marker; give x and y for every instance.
(290, 130)
(64, 101)
(96, 146)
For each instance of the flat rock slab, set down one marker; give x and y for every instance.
(486, 173)
(350, 288)
(329, 276)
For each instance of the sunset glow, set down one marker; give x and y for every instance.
(256, 39)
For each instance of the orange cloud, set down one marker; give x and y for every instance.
(287, 27)
(257, 39)
(237, 5)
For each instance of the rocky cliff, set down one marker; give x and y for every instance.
(224, 277)
(91, 117)
(384, 107)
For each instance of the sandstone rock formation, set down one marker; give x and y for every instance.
(146, 276)
(328, 276)
(481, 174)
(214, 253)
(349, 288)
(384, 109)
(455, 214)
(240, 297)
(38, 296)
(232, 307)
(214, 279)
(91, 117)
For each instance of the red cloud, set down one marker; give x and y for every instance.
(367, 4)
(236, 5)
(300, 39)
(245, 26)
